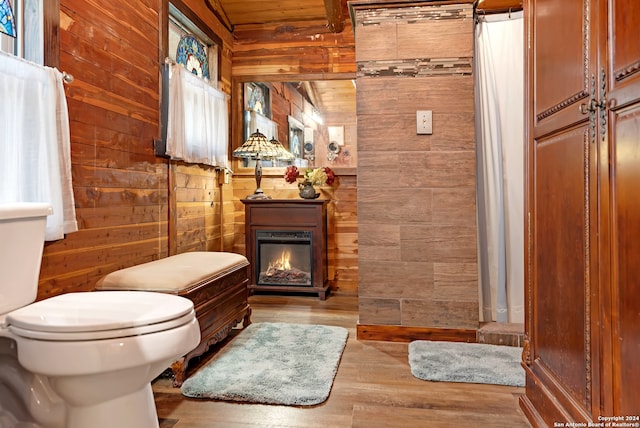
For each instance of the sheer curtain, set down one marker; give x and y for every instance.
(500, 136)
(35, 160)
(197, 130)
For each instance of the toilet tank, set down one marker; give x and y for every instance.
(22, 229)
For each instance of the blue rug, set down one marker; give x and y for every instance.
(466, 362)
(273, 363)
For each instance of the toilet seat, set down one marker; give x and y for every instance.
(100, 315)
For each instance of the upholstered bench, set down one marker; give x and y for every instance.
(216, 283)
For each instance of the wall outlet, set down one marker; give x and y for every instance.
(424, 124)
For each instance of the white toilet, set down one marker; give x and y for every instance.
(79, 360)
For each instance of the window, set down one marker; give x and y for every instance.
(28, 23)
(194, 111)
(188, 43)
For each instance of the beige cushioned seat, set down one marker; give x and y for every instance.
(174, 274)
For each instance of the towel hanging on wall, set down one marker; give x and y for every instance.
(35, 153)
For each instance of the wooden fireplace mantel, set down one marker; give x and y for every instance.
(289, 215)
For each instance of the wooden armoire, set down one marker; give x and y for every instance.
(582, 327)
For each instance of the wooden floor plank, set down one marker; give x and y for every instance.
(373, 387)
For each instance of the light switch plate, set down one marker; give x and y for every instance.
(424, 124)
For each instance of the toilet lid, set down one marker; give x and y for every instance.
(100, 314)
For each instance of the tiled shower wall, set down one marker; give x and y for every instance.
(416, 193)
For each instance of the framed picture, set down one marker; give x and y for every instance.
(257, 98)
(296, 137)
(336, 135)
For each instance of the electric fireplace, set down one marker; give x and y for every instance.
(284, 258)
(286, 244)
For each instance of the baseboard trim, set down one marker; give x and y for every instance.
(399, 333)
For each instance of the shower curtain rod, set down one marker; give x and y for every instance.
(497, 11)
(66, 77)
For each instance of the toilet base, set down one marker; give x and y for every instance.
(134, 410)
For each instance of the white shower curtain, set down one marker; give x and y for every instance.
(500, 136)
(35, 160)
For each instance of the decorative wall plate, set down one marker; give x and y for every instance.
(333, 147)
(308, 147)
(192, 54)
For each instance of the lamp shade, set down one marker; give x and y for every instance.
(283, 154)
(257, 146)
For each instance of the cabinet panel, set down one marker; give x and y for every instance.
(626, 261)
(562, 234)
(625, 56)
(561, 71)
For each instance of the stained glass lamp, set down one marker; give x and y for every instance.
(257, 147)
(283, 154)
(7, 21)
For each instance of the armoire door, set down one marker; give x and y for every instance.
(621, 373)
(561, 348)
(583, 211)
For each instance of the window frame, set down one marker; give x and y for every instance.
(199, 23)
(50, 25)
(51, 18)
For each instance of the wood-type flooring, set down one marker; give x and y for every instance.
(373, 387)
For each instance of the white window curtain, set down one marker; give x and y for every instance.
(197, 129)
(35, 160)
(500, 136)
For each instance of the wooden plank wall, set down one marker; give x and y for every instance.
(303, 48)
(120, 187)
(302, 51)
(124, 195)
(198, 205)
(416, 193)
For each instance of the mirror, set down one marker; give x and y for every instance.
(314, 120)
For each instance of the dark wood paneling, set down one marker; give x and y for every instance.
(567, 81)
(626, 209)
(409, 334)
(561, 269)
(624, 132)
(582, 320)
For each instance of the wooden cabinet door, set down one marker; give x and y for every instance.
(561, 352)
(583, 210)
(623, 101)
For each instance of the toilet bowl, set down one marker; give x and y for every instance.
(82, 359)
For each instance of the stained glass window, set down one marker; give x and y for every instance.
(195, 49)
(192, 54)
(7, 21)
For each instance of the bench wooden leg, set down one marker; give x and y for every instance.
(246, 321)
(178, 368)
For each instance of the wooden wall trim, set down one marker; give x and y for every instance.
(51, 14)
(398, 333)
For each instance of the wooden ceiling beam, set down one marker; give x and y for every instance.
(216, 8)
(334, 15)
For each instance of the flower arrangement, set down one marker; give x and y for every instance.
(312, 176)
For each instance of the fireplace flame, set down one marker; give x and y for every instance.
(281, 263)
